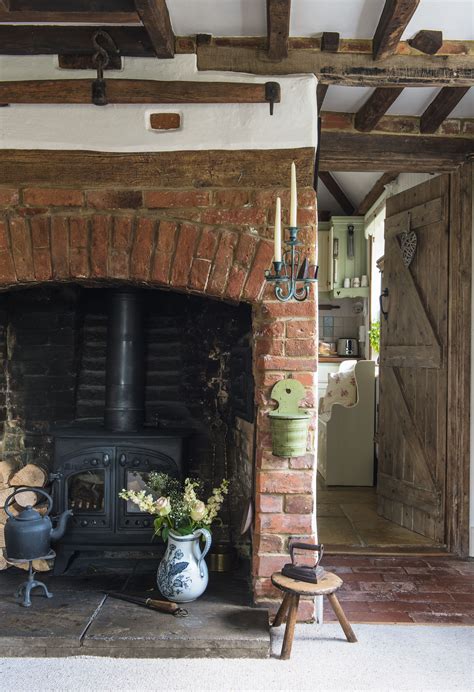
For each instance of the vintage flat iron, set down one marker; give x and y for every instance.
(304, 572)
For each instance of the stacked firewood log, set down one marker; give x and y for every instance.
(12, 477)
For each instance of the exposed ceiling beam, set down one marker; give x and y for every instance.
(392, 23)
(321, 91)
(357, 151)
(337, 192)
(71, 5)
(349, 69)
(375, 107)
(62, 17)
(439, 109)
(131, 91)
(427, 41)
(71, 40)
(375, 192)
(278, 28)
(156, 20)
(397, 125)
(330, 41)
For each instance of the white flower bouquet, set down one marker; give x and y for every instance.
(177, 508)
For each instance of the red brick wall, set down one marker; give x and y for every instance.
(215, 242)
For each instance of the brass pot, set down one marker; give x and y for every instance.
(221, 558)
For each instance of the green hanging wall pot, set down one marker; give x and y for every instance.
(289, 422)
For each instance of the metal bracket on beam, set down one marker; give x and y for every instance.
(272, 94)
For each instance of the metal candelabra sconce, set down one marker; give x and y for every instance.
(292, 280)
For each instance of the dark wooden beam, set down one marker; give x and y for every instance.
(349, 69)
(131, 91)
(71, 5)
(397, 125)
(321, 91)
(337, 192)
(375, 192)
(427, 41)
(156, 20)
(278, 28)
(392, 23)
(375, 107)
(71, 40)
(220, 168)
(439, 109)
(356, 151)
(330, 41)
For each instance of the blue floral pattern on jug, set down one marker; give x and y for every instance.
(170, 580)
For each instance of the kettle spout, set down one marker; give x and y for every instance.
(58, 532)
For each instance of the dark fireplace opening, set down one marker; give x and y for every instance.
(101, 385)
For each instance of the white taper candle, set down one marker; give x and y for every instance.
(293, 197)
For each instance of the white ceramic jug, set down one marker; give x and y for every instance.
(182, 573)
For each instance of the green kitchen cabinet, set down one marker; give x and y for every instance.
(341, 257)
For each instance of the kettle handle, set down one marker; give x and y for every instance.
(207, 537)
(21, 489)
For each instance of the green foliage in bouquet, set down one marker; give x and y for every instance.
(374, 336)
(177, 508)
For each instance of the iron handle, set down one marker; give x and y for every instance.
(383, 295)
(123, 460)
(22, 489)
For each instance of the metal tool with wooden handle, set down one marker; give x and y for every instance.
(151, 603)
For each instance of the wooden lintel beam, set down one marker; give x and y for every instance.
(375, 192)
(356, 151)
(278, 28)
(337, 192)
(210, 168)
(397, 125)
(439, 109)
(348, 69)
(392, 23)
(63, 17)
(131, 91)
(427, 41)
(375, 107)
(156, 20)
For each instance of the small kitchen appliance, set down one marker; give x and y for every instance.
(347, 347)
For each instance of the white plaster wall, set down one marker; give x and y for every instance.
(124, 127)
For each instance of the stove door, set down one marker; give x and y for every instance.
(86, 486)
(133, 467)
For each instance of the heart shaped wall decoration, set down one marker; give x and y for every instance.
(408, 246)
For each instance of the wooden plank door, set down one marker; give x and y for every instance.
(413, 359)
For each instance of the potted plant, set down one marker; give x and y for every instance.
(181, 519)
(374, 337)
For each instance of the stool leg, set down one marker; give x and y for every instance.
(280, 617)
(344, 622)
(290, 627)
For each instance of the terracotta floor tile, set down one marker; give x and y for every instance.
(463, 597)
(363, 577)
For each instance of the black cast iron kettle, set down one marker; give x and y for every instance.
(29, 535)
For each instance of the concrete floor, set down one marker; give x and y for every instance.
(386, 659)
(347, 516)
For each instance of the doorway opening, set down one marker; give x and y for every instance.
(384, 474)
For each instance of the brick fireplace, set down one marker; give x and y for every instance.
(197, 251)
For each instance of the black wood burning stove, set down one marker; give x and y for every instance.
(92, 463)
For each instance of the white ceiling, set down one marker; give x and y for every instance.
(351, 18)
(355, 185)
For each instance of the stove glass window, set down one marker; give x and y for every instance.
(136, 480)
(86, 491)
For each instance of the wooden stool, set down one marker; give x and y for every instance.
(288, 610)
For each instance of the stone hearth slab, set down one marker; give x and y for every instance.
(211, 630)
(81, 620)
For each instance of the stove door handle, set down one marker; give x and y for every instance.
(123, 460)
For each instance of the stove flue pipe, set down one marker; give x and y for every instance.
(125, 374)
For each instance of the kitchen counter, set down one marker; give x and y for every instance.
(336, 359)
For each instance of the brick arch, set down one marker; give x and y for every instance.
(206, 260)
